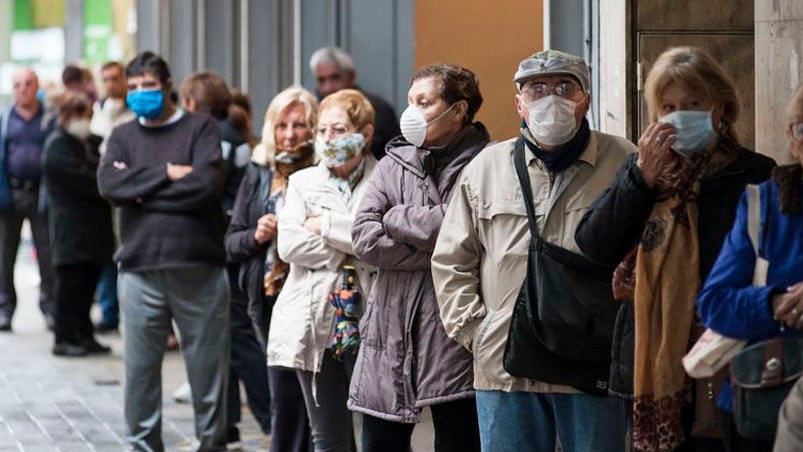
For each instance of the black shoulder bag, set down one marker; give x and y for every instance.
(564, 315)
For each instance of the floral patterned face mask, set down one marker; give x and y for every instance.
(339, 150)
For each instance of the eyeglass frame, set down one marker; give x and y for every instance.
(527, 88)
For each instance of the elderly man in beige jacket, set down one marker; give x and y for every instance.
(480, 259)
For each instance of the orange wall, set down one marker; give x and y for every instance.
(490, 38)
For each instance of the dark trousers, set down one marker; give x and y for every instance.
(455, 424)
(248, 362)
(24, 205)
(290, 430)
(75, 289)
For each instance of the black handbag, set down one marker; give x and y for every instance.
(762, 376)
(564, 314)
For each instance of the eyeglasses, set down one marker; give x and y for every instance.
(335, 130)
(796, 129)
(536, 91)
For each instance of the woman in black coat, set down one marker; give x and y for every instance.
(80, 225)
(663, 220)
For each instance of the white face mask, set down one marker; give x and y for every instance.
(413, 125)
(552, 120)
(78, 128)
(693, 129)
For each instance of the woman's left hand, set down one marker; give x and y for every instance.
(313, 224)
(788, 306)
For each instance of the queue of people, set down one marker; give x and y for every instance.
(534, 293)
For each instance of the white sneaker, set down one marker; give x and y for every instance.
(188, 445)
(183, 394)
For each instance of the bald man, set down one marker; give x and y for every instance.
(23, 129)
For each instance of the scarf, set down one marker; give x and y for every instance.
(346, 186)
(662, 276)
(560, 158)
(273, 186)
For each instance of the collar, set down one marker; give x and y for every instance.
(178, 114)
(589, 155)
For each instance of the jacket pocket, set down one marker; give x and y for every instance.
(482, 332)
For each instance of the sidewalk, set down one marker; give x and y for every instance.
(50, 403)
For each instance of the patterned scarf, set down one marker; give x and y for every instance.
(346, 186)
(662, 276)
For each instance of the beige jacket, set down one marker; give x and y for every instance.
(302, 322)
(480, 258)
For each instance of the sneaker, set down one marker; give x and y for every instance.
(183, 394)
(233, 439)
(188, 445)
(94, 347)
(70, 350)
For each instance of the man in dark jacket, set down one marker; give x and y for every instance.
(164, 172)
(24, 125)
(333, 70)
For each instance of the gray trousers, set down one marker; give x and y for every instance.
(197, 299)
(24, 205)
(329, 418)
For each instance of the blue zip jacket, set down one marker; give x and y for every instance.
(729, 303)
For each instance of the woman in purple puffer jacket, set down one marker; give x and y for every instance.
(406, 361)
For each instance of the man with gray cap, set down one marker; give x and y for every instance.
(481, 259)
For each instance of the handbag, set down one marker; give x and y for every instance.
(713, 351)
(764, 373)
(563, 317)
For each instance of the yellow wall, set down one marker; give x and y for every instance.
(490, 38)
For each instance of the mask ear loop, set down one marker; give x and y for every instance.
(441, 115)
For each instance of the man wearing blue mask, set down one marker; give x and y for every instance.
(164, 171)
(24, 126)
(537, 378)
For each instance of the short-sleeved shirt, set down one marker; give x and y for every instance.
(24, 146)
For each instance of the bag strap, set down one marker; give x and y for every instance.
(526, 188)
(753, 231)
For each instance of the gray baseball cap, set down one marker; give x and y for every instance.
(553, 62)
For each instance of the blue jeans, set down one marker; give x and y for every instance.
(107, 296)
(524, 421)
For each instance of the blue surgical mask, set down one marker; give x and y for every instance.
(693, 129)
(147, 104)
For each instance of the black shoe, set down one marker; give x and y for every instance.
(67, 349)
(5, 322)
(93, 347)
(103, 327)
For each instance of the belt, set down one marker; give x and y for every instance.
(23, 184)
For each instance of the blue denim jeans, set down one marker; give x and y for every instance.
(524, 421)
(107, 296)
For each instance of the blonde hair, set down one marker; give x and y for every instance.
(71, 105)
(357, 107)
(295, 95)
(695, 71)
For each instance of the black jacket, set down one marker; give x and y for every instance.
(243, 249)
(80, 220)
(614, 223)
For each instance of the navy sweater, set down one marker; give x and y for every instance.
(164, 223)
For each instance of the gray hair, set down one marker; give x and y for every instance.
(331, 55)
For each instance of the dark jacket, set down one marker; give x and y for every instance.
(236, 154)
(614, 223)
(80, 220)
(243, 249)
(406, 361)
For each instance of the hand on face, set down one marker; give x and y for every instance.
(654, 151)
